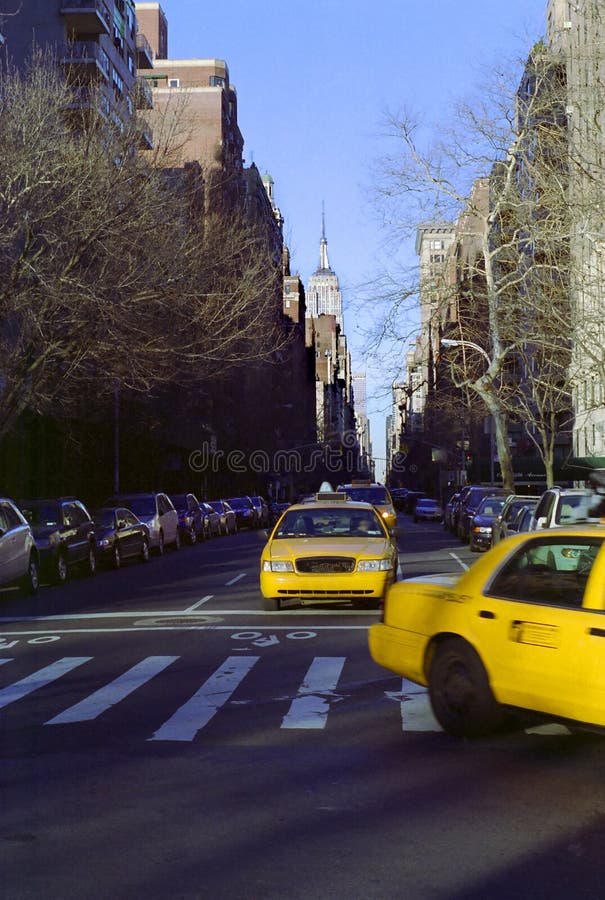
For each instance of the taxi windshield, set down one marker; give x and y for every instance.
(330, 523)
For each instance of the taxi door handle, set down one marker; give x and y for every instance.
(486, 614)
(598, 632)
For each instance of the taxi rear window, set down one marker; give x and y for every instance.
(375, 495)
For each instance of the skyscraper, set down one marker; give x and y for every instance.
(323, 291)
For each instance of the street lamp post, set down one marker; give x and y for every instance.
(451, 342)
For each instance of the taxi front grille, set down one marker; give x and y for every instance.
(325, 565)
(322, 593)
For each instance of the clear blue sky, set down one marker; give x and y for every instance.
(315, 79)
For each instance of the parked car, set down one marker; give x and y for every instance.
(120, 535)
(245, 512)
(64, 533)
(506, 522)
(155, 509)
(276, 508)
(192, 524)
(448, 512)
(523, 520)
(212, 520)
(480, 534)
(18, 552)
(521, 629)
(262, 510)
(227, 516)
(562, 506)
(469, 505)
(427, 510)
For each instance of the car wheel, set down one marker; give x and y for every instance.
(145, 550)
(92, 560)
(116, 556)
(271, 604)
(31, 580)
(192, 535)
(161, 544)
(60, 572)
(461, 697)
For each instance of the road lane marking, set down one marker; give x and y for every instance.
(107, 696)
(459, 561)
(199, 603)
(310, 709)
(307, 611)
(199, 709)
(40, 679)
(236, 579)
(416, 711)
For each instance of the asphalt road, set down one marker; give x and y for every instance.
(163, 737)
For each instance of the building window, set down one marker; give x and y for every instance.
(173, 82)
(217, 81)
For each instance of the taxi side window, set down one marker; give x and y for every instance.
(553, 572)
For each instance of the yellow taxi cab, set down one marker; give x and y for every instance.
(522, 629)
(376, 494)
(328, 549)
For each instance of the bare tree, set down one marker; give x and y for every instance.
(110, 270)
(515, 143)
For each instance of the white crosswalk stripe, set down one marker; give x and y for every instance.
(214, 693)
(40, 679)
(310, 709)
(106, 697)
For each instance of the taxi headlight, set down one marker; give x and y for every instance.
(278, 565)
(104, 542)
(374, 565)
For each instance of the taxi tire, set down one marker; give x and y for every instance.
(271, 604)
(461, 697)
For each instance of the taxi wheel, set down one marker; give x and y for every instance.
(461, 698)
(271, 604)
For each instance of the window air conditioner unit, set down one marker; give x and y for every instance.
(567, 26)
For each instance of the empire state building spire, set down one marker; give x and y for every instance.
(323, 294)
(324, 265)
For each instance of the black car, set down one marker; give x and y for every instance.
(245, 512)
(120, 535)
(469, 505)
(193, 521)
(64, 533)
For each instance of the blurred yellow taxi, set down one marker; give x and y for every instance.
(377, 495)
(522, 629)
(328, 549)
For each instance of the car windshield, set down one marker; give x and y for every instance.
(216, 505)
(376, 495)
(423, 503)
(329, 522)
(179, 501)
(238, 503)
(42, 515)
(490, 506)
(104, 518)
(143, 507)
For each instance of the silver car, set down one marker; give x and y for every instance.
(157, 511)
(19, 562)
